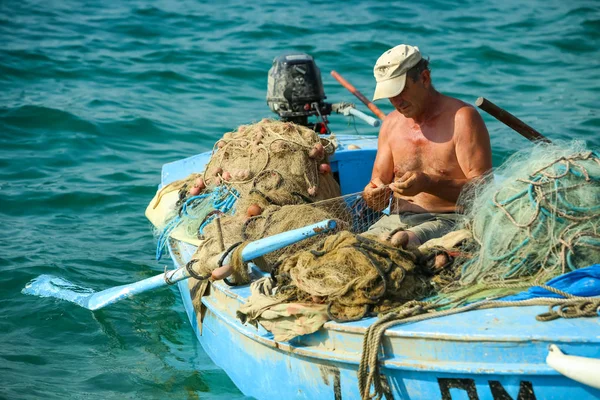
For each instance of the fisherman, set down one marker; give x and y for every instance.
(429, 147)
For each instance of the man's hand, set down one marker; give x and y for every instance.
(411, 183)
(377, 194)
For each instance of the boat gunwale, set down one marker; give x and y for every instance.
(425, 365)
(399, 332)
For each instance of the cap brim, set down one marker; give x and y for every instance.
(389, 88)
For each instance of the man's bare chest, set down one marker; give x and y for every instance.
(418, 153)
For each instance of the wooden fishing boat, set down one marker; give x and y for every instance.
(484, 354)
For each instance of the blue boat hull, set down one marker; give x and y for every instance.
(421, 361)
(486, 354)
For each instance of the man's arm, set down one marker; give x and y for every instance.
(377, 192)
(474, 155)
(472, 143)
(383, 168)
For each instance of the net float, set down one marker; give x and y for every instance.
(317, 152)
(199, 183)
(194, 191)
(324, 169)
(221, 272)
(254, 210)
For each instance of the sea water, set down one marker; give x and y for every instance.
(96, 96)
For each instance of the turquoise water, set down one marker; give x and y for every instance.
(96, 96)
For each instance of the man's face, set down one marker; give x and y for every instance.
(410, 101)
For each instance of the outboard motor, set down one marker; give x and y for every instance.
(295, 90)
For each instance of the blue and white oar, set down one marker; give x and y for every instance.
(51, 286)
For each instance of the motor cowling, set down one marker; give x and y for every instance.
(294, 85)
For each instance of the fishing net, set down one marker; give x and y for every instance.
(349, 212)
(262, 179)
(252, 172)
(273, 177)
(540, 220)
(354, 275)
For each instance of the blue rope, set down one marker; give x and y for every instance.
(164, 236)
(467, 264)
(543, 210)
(561, 170)
(570, 252)
(516, 267)
(513, 197)
(222, 198)
(189, 201)
(570, 206)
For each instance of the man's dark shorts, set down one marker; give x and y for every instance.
(424, 225)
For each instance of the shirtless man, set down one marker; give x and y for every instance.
(429, 147)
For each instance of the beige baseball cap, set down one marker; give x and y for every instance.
(390, 70)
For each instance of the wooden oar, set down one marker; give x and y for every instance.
(510, 120)
(358, 94)
(50, 286)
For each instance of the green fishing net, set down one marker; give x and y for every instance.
(538, 219)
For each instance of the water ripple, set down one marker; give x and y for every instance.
(96, 98)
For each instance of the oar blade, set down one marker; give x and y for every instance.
(59, 288)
